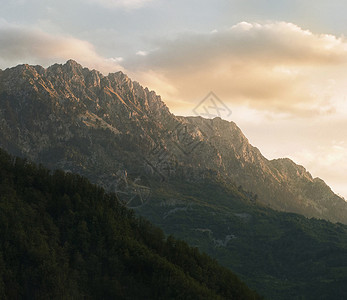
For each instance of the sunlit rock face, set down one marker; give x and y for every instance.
(77, 119)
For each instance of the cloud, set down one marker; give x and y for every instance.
(273, 65)
(19, 44)
(141, 53)
(328, 161)
(127, 4)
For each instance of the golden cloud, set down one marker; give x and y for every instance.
(276, 66)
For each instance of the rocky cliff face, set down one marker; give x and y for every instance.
(107, 127)
(280, 183)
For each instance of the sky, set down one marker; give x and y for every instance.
(278, 66)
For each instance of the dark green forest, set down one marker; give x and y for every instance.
(62, 237)
(281, 255)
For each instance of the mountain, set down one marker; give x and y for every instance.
(63, 238)
(198, 179)
(279, 183)
(75, 119)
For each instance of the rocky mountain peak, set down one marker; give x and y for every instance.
(290, 169)
(72, 81)
(73, 68)
(73, 64)
(77, 119)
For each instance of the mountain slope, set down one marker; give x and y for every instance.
(72, 118)
(281, 255)
(182, 173)
(279, 183)
(63, 238)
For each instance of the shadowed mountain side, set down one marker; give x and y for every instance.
(63, 238)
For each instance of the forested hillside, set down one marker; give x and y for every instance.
(63, 238)
(281, 255)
